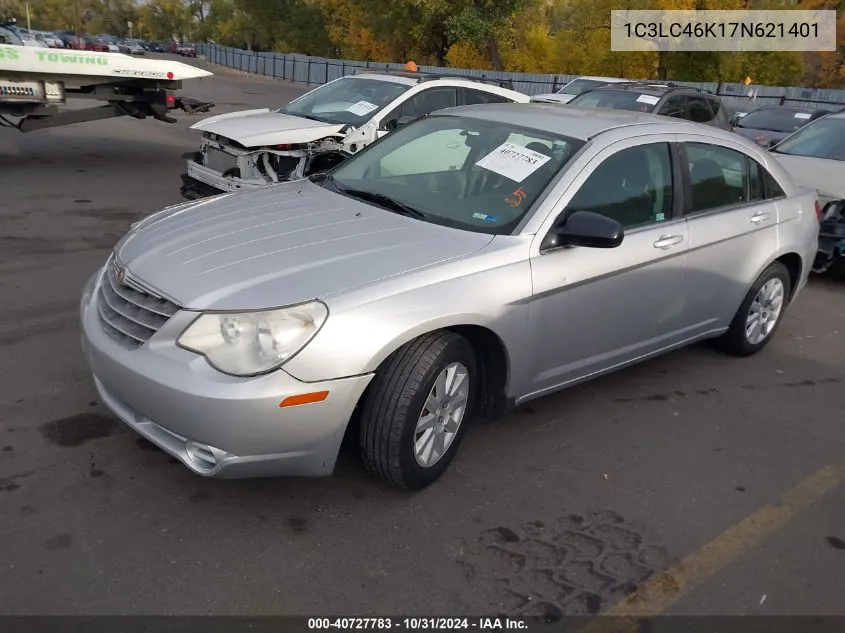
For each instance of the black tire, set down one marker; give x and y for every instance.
(395, 400)
(734, 341)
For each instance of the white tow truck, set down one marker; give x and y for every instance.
(36, 82)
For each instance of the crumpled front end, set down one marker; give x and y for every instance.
(224, 165)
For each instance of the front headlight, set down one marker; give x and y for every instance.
(252, 343)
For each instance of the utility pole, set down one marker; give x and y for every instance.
(28, 23)
(76, 17)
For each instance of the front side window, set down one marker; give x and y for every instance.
(468, 173)
(718, 176)
(823, 138)
(425, 102)
(349, 100)
(633, 187)
(616, 100)
(675, 107)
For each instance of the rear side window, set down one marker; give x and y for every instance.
(715, 106)
(773, 189)
(699, 110)
(473, 97)
(756, 181)
(761, 184)
(718, 176)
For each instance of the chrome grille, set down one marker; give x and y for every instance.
(129, 315)
(219, 161)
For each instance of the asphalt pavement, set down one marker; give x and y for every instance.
(693, 484)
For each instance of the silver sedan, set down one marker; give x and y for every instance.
(473, 260)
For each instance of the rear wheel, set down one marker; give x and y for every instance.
(760, 313)
(414, 416)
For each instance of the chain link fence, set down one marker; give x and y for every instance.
(314, 71)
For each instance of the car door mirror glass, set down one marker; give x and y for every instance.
(584, 228)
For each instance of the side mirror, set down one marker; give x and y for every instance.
(390, 125)
(584, 228)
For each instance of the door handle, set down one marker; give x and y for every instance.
(760, 216)
(668, 241)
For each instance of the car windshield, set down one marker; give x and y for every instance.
(347, 100)
(616, 100)
(8, 36)
(577, 86)
(823, 138)
(775, 119)
(471, 174)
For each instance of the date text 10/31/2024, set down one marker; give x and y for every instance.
(417, 624)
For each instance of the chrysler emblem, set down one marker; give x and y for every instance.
(121, 275)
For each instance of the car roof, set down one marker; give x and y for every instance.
(572, 121)
(414, 78)
(403, 78)
(607, 79)
(654, 88)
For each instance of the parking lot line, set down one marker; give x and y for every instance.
(666, 588)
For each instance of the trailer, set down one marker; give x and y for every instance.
(35, 84)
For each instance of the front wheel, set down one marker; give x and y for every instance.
(414, 415)
(760, 313)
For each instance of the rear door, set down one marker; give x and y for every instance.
(732, 217)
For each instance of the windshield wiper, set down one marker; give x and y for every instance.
(300, 115)
(386, 201)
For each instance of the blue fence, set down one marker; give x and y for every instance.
(314, 71)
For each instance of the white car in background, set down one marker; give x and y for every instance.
(814, 156)
(255, 148)
(575, 88)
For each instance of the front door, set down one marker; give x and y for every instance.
(597, 309)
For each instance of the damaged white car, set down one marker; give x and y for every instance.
(254, 148)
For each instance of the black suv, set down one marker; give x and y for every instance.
(681, 102)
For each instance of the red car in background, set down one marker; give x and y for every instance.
(96, 44)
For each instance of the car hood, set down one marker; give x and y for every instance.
(280, 245)
(255, 128)
(557, 97)
(824, 175)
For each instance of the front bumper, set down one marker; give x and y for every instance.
(217, 425)
(216, 180)
(193, 189)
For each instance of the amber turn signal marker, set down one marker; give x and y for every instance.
(304, 398)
